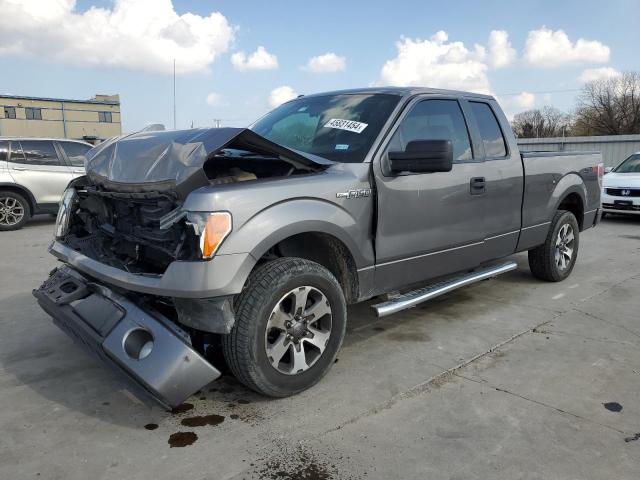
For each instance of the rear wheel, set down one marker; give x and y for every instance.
(290, 323)
(554, 260)
(14, 210)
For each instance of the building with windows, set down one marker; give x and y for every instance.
(91, 120)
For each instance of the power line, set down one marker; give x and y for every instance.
(540, 92)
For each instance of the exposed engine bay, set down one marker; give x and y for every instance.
(127, 212)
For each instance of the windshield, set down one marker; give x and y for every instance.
(341, 128)
(630, 165)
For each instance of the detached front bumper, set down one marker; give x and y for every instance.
(152, 353)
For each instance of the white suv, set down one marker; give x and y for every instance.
(34, 173)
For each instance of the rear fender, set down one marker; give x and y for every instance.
(570, 183)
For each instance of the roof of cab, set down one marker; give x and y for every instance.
(402, 91)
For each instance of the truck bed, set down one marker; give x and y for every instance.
(547, 177)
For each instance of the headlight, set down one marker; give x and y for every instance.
(64, 212)
(212, 228)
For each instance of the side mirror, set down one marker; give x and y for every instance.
(422, 156)
(608, 170)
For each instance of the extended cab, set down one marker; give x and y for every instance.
(254, 240)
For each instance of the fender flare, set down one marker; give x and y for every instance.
(24, 190)
(568, 184)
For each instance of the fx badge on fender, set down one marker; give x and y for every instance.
(355, 193)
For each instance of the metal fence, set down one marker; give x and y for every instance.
(614, 148)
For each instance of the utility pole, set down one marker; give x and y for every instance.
(174, 93)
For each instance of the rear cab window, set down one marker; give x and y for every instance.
(75, 152)
(489, 129)
(34, 152)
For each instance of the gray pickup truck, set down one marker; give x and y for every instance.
(252, 242)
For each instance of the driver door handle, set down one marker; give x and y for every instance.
(478, 185)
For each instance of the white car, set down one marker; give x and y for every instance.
(34, 173)
(621, 187)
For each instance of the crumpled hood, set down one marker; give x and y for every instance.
(173, 160)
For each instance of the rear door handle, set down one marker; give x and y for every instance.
(19, 168)
(478, 185)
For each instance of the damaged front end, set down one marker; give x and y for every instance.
(136, 288)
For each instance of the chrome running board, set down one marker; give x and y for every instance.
(415, 297)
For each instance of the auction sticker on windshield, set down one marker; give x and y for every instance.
(349, 125)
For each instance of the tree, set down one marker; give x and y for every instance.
(545, 122)
(609, 107)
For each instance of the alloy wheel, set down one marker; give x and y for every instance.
(298, 330)
(11, 211)
(564, 246)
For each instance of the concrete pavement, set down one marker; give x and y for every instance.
(510, 378)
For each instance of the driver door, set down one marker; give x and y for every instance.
(429, 224)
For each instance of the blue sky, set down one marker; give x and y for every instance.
(80, 61)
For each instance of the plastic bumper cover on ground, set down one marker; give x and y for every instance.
(147, 349)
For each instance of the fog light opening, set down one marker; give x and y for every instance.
(138, 344)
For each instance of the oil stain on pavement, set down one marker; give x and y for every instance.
(613, 406)
(202, 420)
(182, 439)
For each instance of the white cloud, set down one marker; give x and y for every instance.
(603, 73)
(437, 63)
(514, 104)
(133, 34)
(214, 99)
(327, 63)
(548, 48)
(281, 94)
(501, 53)
(258, 60)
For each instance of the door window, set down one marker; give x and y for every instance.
(75, 152)
(492, 138)
(435, 120)
(34, 152)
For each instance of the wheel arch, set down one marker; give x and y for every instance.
(19, 189)
(312, 229)
(569, 194)
(324, 249)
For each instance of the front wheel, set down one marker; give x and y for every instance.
(290, 323)
(554, 260)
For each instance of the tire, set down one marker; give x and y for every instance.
(260, 327)
(554, 260)
(15, 210)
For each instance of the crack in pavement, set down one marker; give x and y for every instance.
(447, 374)
(596, 317)
(577, 335)
(537, 402)
(433, 381)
